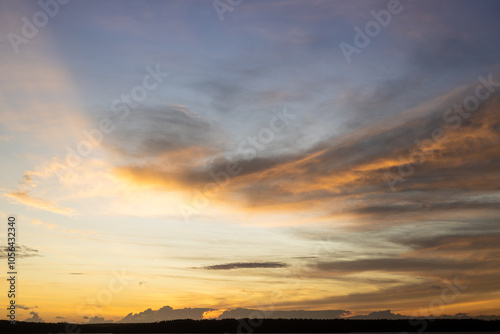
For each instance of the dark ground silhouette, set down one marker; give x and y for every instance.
(261, 326)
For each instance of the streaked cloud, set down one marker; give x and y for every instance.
(356, 165)
(246, 265)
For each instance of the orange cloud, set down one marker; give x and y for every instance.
(23, 197)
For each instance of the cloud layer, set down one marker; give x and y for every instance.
(164, 313)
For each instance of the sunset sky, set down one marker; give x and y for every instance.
(292, 155)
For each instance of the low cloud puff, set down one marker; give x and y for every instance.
(34, 317)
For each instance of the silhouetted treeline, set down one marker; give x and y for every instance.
(261, 326)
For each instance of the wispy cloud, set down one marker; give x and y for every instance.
(24, 197)
(21, 252)
(48, 226)
(153, 132)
